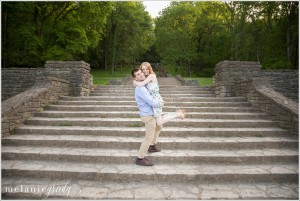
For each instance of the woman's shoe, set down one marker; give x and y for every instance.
(181, 114)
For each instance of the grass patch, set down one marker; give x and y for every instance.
(102, 77)
(133, 125)
(46, 106)
(65, 124)
(203, 81)
(12, 131)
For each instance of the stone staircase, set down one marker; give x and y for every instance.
(85, 148)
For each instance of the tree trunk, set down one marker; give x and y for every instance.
(114, 48)
(232, 29)
(4, 37)
(190, 70)
(106, 53)
(288, 47)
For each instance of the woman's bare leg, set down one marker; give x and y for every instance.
(160, 120)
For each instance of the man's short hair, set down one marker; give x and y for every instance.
(134, 71)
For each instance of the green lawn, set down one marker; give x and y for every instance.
(102, 77)
(203, 81)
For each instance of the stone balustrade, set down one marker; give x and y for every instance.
(17, 109)
(262, 89)
(17, 80)
(26, 91)
(77, 72)
(283, 81)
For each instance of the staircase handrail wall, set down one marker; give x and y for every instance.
(17, 80)
(17, 109)
(241, 78)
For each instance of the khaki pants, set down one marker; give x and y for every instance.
(152, 132)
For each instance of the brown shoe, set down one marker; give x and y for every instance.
(143, 162)
(153, 148)
(147, 159)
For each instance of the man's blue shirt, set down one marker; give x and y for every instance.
(145, 102)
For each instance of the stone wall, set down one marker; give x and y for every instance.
(260, 94)
(77, 72)
(238, 78)
(26, 91)
(285, 82)
(17, 109)
(281, 109)
(17, 80)
(227, 73)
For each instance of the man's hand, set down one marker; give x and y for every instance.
(134, 81)
(162, 103)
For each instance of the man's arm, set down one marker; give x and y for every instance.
(145, 95)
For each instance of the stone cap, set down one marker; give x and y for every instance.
(238, 64)
(20, 99)
(268, 92)
(67, 64)
(24, 68)
(38, 78)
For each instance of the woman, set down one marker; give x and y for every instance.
(152, 85)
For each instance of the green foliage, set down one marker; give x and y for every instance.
(34, 32)
(129, 34)
(189, 38)
(192, 37)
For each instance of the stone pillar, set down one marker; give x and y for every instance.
(77, 72)
(227, 73)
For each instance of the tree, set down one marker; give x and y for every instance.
(214, 31)
(174, 40)
(129, 33)
(38, 31)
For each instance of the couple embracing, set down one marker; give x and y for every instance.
(150, 104)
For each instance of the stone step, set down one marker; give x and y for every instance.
(164, 88)
(163, 95)
(80, 189)
(255, 156)
(162, 81)
(135, 108)
(161, 91)
(140, 131)
(161, 173)
(166, 99)
(179, 104)
(109, 142)
(160, 86)
(115, 114)
(136, 122)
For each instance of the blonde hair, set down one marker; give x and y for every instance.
(147, 65)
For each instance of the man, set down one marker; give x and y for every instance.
(146, 103)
